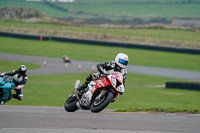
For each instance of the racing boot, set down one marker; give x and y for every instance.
(76, 85)
(79, 89)
(2, 103)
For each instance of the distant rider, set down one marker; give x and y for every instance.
(66, 58)
(120, 63)
(19, 78)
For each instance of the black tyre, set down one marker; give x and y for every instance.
(100, 104)
(70, 104)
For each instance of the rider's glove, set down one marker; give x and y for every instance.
(103, 72)
(19, 87)
(2, 74)
(16, 88)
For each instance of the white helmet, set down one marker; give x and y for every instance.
(22, 69)
(122, 60)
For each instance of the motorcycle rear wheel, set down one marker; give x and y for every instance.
(99, 106)
(70, 106)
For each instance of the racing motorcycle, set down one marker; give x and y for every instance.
(97, 95)
(6, 86)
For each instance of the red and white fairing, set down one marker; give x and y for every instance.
(114, 80)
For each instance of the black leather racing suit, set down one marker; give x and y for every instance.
(105, 68)
(19, 92)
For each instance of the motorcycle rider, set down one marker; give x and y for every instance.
(19, 78)
(120, 63)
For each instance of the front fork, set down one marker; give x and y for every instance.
(102, 93)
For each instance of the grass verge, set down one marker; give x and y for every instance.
(99, 53)
(162, 110)
(53, 90)
(159, 35)
(12, 65)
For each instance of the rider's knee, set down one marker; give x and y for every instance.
(20, 97)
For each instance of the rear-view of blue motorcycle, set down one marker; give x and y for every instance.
(6, 85)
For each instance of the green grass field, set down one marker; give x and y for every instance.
(12, 65)
(35, 5)
(115, 9)
(130, 9)
(161, 34)
(53, 90)
(98, 53)
(141, 91)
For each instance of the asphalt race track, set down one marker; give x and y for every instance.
(56, 65)
(34, 119)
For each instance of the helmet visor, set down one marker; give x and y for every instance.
(123, 62)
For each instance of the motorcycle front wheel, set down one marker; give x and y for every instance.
(99, 104)
(70, 104)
